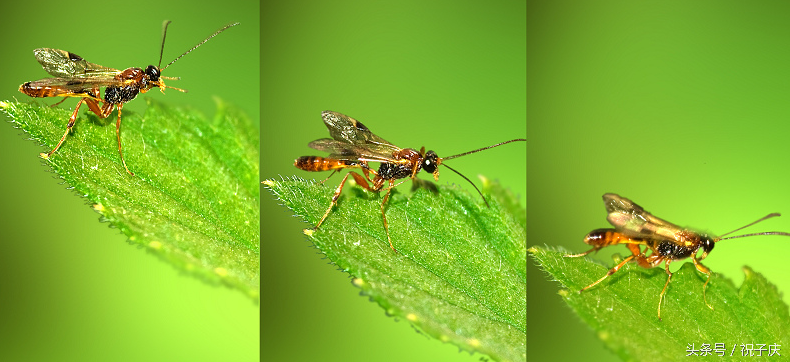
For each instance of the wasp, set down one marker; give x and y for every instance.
(76, 77)
(653, 241)
(353, 145)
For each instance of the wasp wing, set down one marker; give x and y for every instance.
(632, 220)
(63, 64)
(346, 129)
(342, 150)
(74, 83)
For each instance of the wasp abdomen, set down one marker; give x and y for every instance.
(604, 237)
(43, 91)
(316, 163)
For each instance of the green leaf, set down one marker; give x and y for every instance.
(194, 199)
(623, 308)
(460, 271)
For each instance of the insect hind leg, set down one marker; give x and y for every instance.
(384, 216)
(72, 121)
(609, 273)
(338, 191)
(118, 134)
(664, 291)
(581, 254)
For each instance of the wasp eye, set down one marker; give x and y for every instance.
(430, 162)
(153, 73)
(708, 244)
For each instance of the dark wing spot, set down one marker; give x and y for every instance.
(361, 126)
(74, 57)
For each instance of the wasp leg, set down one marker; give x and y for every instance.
(61, 101)
(327, 178)
(581, 254)
(664, 291)
(72, 120)
(334, 200)
(610, 272)
(118, 133)
(705, 270)
(384, 216)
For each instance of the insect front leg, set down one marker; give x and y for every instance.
(705, 270)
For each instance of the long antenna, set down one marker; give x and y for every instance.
(162, 49)
(442, 159)
(755, 234)
(194, 47)
(482, 149)
(775, 214)
(470, 181)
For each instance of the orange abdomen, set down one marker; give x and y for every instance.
(316, 163)
(605, 237)
(42, 91)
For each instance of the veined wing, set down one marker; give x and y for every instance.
(63, 64)
(346, 129)
(632, 220)
(342, 150)
(75, 84)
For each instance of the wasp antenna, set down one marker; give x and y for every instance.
(470, 181)
(164, 35)
(756, 234)
(775, 214)
(482, 149)
(198, 44)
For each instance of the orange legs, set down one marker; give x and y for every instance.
(101, 111)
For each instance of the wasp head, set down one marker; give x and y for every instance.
(431, 163)
(155, 79)
(706, 243)
(153, 73)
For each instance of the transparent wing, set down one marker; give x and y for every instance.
(63, 64)
(75, 84)
(346, 129)
(632, 220)
(342, 150)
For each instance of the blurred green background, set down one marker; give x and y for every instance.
(680, 106)
(448, 75)
(71, 288)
